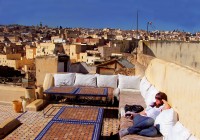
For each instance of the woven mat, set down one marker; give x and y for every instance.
(70, 130)
(83, 114)
(61, 90)
(91, 91)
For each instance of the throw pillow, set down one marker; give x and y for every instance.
(150, 95)
(128, 82)
(144, 86)
(85, 80)
(107, 80)
(64, 79)
(178, 132)
(48, 81)
(165, 121)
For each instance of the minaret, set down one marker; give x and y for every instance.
(40, 24)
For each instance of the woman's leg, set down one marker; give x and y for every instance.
(149, 132)
(140, 123)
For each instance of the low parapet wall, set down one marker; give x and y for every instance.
(9, 93)
(182, 86)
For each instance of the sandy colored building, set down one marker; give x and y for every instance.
(1, 38)
(57, 39)
(53, 64)
(49, 48)
(90, 56)
(13, 38)
(116, 66)
(66, 48)
(83, 57)
(14, 60)
(75, 51)
(106, 51)
(92, 59)
(45, 49)
(30, 52)
(72, 34)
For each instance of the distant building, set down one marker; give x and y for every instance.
(13, 38)
(45, 49)
(49, 49)
(50, 64)
(14, 60)
(106, 51)
(30, 52)
(115, 66)
(82, 67)
(90, 56)
(75, 51)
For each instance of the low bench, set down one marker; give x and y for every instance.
(36, 105)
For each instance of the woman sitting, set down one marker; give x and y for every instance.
(143, 123)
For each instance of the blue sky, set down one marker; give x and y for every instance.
(164, 14)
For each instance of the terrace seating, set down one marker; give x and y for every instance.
(181, 86)
(83, 80)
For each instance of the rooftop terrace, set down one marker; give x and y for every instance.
(34, 122)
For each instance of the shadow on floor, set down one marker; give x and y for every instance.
(111, 137)
(111, 113)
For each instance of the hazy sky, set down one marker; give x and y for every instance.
(164, 14)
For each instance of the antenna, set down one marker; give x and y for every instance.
(137, 24)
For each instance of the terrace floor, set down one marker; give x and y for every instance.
(34, 122)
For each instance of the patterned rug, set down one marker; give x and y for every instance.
(8, 112)
(70, 130)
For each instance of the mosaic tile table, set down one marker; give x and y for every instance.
(74, 123)
(92, 91)
(63, 90)
(83, 95)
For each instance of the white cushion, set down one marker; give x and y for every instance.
(85, 80)
(144, 86)
(150, 95)
(178, 132)
(165, 121)
(64, 79)
(107, 80)
(128, 82)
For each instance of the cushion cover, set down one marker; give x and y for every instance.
(85, 80)
(144, 86)
(178, 132)
(150, 95)
(64, 79)
(128, 82)
(48, 81)
(165, 121)
(107, 80)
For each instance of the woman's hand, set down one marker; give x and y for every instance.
(129, 114)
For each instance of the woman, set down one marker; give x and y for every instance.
(144, 121)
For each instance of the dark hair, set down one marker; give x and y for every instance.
(159, 96)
